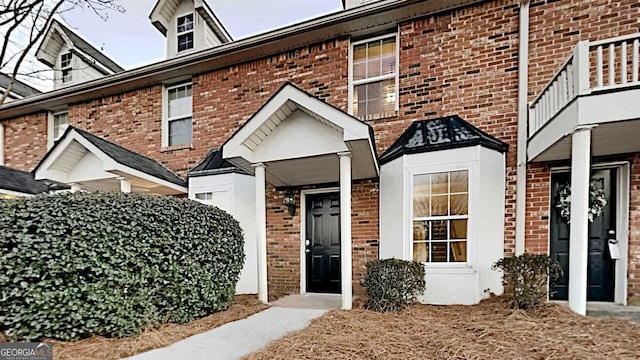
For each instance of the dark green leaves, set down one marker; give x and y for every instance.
(77, 264)
(391, 284)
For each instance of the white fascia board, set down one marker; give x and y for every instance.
(139, 174)
(49, 57)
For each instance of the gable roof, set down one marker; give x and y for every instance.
(24, 182)
(74, 41)
(440, 134)
(164, 10)
(19, 88)
(120, 155)
(214, 164)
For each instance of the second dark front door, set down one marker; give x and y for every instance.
(601, 268)
(323, 243)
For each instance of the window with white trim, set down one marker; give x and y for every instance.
(440, 217)
(374, 77)
(185, 32)
(65, 66)
(179, 122)
(60, 124)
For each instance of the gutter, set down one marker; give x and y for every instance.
(523, 119)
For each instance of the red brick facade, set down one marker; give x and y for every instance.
(459, 62)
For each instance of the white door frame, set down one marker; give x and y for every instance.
(622, 222)
(303, 231)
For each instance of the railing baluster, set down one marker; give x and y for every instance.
(563, 88)
(623, 63)
(634, 60)
(612, 64)
(599, 66)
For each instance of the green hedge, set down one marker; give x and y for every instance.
(391, 284)
(78, 264)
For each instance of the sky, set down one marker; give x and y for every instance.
(131, 40)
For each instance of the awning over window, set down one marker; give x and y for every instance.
(440, 134)
(92, 163)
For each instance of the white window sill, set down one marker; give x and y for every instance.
(176, 147)
(451, 268)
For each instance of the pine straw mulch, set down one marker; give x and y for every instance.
(99, 347)
(488, 330)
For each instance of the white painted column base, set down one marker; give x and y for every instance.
(345, 230)
(261, 231)
(125, 185)
(579, 226)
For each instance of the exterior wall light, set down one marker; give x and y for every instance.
(289, 199)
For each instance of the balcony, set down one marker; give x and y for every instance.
(599, 87)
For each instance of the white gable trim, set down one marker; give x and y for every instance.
(109, 164)
(288, 96)
(45, 53)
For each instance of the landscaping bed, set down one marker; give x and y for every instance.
(489, 330)
(99, 347)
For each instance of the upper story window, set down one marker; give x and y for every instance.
(179, 122)
(60, 124)
(440, 217)
(374, 77)
(185, 32)
(65, 66)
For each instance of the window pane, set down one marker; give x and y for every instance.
(459, 181)
(421, 252)
(180, 102)
(360, 62)
(65, 60)
(377, 98)
(60, 124)
(66, 76)
(439, 183)
(204, 196)
(439, 205)
(185, 41)
(185, 23)
(420, 230)
(439, 230)
(388, 56)
(458, 229)
(439, 252)
(459, 204)
(458, 251)
(180, 131)
(388, 96)
(421, 196)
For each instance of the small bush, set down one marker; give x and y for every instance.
(77, 264)
(391, 284)
(527, 279)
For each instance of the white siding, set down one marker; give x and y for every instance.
(449, 283)
(235, 193)
(84, 72)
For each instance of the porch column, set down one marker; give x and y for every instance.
(345, 229)
(125, 185)
(261, 232)
(579, 226)
(75, 187)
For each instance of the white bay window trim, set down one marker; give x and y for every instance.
(395, 75)
(472, 188)
(166, 119)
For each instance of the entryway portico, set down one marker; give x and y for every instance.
(297, 140)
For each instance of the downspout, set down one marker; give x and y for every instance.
(523, 114)
(1, 144)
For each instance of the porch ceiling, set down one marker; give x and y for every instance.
(298, 138)
(606, 139)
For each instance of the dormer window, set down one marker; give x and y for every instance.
(65, 66)
(185, 32)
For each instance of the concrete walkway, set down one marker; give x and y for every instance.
(239, 338)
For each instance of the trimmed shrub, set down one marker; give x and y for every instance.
(392, 284)
(78, 264)
(527, 279)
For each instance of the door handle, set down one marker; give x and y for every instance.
(307, 251)
(307, 242)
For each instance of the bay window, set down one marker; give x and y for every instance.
(440, 217)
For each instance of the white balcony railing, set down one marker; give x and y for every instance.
(609, 64)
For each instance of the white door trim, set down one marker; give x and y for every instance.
(303, 231)
(623, 187)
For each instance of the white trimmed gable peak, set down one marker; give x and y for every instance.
(87, 62)
(208, 31)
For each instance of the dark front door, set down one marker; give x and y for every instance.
(601, 270)
(323, 243)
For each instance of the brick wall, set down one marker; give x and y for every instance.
(25, 141)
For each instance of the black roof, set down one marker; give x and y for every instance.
(214, 164)
(123, 156)
(18, 87)
(440, 134)
(24, 182)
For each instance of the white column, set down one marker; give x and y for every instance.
(579, 226)
(345, 229)
(75, 187)
(1, 144)
(125, 185)
(261, 232)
